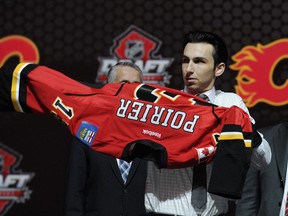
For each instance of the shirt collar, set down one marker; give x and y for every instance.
(211, 94)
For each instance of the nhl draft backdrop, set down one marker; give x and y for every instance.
(83, 38)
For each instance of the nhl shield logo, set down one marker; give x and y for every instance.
(142, 48)
(134, 49)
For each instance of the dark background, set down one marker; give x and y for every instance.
(72, 35)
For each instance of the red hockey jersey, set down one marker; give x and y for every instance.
(170, 127)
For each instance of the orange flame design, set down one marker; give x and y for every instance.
(255, 78)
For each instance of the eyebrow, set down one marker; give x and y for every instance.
(195, 58)
(199, 57)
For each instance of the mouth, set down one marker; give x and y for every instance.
(191, 80)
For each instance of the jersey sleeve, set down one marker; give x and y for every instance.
(233, 155)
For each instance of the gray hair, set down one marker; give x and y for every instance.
(112, 73)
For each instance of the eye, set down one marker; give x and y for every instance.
(198, 60)
(185, 59)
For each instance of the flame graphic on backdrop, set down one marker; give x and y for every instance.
(256, 66)
(17, 45)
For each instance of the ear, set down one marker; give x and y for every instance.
(219, 70)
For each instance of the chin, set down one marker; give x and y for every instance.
(189, 90)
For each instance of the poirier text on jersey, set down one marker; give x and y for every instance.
(156, 115)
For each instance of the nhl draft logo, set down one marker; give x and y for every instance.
(141, 48)
(13, 183)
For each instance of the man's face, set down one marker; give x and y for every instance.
(127, 74)
(198, 69)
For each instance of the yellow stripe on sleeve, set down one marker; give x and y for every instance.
(248, 143)
(235, 136)
(231, 136)
(16, 86)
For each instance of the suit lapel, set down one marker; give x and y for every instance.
(115, 168)
(281, 152)
(133, 169)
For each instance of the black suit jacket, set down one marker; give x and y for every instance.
(263, 190)
(95, 186)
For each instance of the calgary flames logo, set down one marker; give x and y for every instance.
(256, 67)
(20, 46)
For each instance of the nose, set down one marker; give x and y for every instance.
(190, 68)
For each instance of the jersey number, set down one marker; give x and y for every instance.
(67, 111)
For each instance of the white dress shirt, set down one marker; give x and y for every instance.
(169, 191)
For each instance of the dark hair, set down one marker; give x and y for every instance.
(220, 49)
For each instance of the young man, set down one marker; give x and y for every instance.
(169, 192)
(265, 191)
(94, 184)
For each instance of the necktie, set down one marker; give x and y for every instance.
(124, 168)
(203, 96)
(199, 187)
(199, 191)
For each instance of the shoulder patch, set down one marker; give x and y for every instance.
(86, 132)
